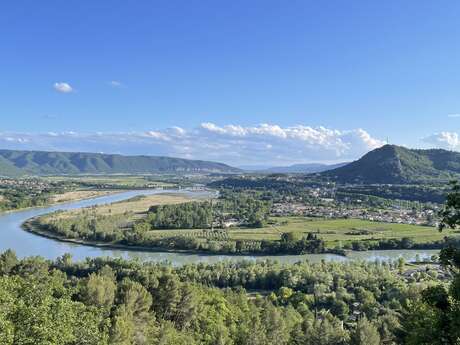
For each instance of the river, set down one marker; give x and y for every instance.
(27, 244)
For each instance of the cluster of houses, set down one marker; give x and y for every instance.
(332, 211)
(31, 186)
(35, 184)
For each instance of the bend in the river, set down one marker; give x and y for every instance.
(27, 244)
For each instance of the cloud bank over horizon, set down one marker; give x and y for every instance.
(231, 144)
(444, 140)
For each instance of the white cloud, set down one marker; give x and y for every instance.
(232, 144)
(157, 135)
(444, 140)
(178, 131)
(115, 83)
(63, 87)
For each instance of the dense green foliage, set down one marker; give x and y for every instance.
(403, 243)
(258, 183)
(112, 301)
(420, 193)
(250, 209)
(189, 215)
(14, 199)
(435, 319)
(89, 226)
(279, 187)
(14, 163)
(247, 210)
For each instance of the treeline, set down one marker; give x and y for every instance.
(16, 199)
(251, 209)
(425, 193)
(189, 215)
(246, 209)
(88, 225)
(113, 301)
(372, 201)
(403, 243)
(256, 183)
(308, 244)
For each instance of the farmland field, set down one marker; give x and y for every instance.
(332, 231)
(121, 181)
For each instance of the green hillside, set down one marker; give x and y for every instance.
(8, 169)
(15, 163)
(398, 165)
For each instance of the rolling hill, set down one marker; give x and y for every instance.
(392, 164)
(16, 163)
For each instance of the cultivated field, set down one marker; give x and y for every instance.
(345, 230)
(122, 181)
(331, 231)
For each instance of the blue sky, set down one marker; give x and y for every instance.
(326, 70)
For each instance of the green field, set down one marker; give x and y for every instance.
(331, 231)
(122, 181)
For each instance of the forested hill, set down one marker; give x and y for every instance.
(15, 163)
(398, 165)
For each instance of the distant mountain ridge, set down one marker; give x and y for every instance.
(16, 163)
(307, 168)
(391, 164)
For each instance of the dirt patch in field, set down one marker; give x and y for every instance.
(79, 195)
(136, 205)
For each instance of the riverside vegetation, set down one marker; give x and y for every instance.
(124, 302)
(113, 301)
(236, 223)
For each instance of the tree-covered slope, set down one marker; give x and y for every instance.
(395, 165)
(13, 163)
(8, 169)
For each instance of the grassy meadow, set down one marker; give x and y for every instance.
(332, 231)
(345, 230)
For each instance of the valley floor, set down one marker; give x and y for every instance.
(115, 224)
